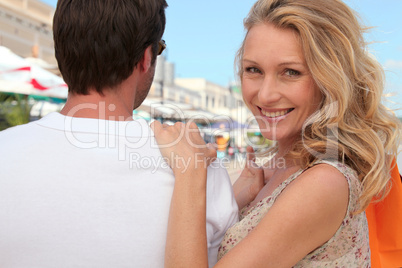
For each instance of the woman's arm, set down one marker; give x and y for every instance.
(189, 157)
(305, 215)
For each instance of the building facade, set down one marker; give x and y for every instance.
(224, 102)
(26, 28)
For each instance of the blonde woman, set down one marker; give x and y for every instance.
(310, 82)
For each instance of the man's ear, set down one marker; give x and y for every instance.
(146, 60)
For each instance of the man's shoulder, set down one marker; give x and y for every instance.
(25, 129)
(16, 130)
(218, 170)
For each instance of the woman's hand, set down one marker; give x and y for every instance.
(250, 181)
(183, 147)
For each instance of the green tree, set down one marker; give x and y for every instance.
(15, 110)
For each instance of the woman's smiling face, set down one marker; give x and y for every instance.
(276, 83)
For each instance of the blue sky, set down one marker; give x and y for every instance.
(203, 37)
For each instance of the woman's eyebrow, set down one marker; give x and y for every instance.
(291, 63)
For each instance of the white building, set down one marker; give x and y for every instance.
(26, 28)
(165, 90)
(214, 97)
(222, 101)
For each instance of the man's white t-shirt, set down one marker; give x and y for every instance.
(79, 192)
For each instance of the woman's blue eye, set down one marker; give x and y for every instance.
(291, 72)
(252, 70)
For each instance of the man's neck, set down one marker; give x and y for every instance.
(110, 106)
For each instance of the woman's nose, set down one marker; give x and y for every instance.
(269, 92)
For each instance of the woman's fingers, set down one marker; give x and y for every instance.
(167, 135)
(211, 156)
(182, 143)
(253, 167)
(250, 154)
(250, 157)
(156, 126)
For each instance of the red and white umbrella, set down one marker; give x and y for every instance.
(18, 75)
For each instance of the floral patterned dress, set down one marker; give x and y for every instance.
(349, 247)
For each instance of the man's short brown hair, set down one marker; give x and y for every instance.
(99, 42)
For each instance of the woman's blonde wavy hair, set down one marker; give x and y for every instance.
(351, 125)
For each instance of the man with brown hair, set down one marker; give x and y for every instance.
(88, 187)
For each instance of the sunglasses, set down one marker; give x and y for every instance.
(162, 46)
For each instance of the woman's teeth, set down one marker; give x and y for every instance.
(275, 114)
